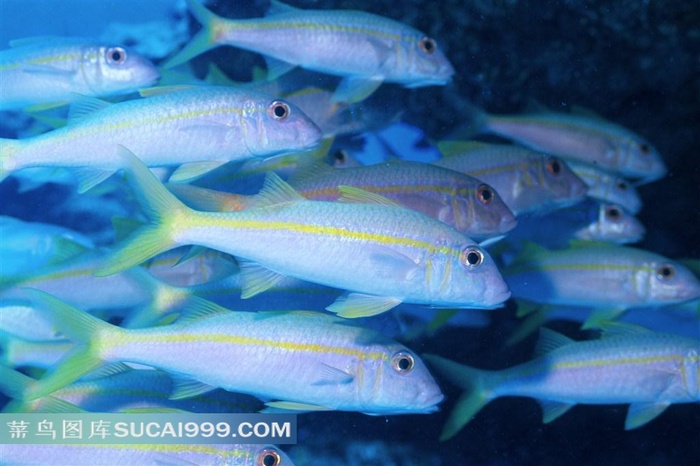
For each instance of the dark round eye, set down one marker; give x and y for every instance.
(471, 257)
(622, 185)
(613, 212)
(403, 362)
(269, 457)
(666, 272)
(279, 110)
(645, 148)
(554, 166)
(427, 45)
(485, 194)
(116, 55)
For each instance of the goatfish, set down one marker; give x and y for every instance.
(607, 187)
(363, 48)
(587, 221)
(161, 453)
(527, 181)
(199, 128)
(599, 275)
(628, 364)
(585, 138)
(382, 253)
(306, 360)
(39, 72)
(463, 202)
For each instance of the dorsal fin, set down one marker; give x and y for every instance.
(276, 191)
(278, 8)
(549, 341)
(84, 106)
(360, 196)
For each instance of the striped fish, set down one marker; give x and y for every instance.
(383, 254)
(465, 203)
(527, 181)
(306, 361)
(629, 364)
(200, 127)
(154, 454)
(365, 49)
(49, 71)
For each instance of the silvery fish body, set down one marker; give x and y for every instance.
(465, 203)
(309, 359)
(364, 48)
(46, 70)
(584, 138)
(201, 127)
(589, 220)
(27, 246)
(383, 253)
(607, 187)
(602, 276)
(632, 365)
(527, 181)
(155, 454)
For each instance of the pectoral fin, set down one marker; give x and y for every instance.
(353, 305)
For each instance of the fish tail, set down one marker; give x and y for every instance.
(476, 384)
(475, 122)
(8, 151)
(164, 210)
(87, 331)
(203, 40)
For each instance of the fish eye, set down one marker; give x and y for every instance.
(553, 166)
(403, 362)
(471, 257)
(269, 457)
(666, 272)
(427, 45)
(613, 212)
(644, 148)
(278, 110)
(485, 194)
(116, 55)
(622, 185)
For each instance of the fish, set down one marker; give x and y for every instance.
(381, 253)
(622, 277)
(145, 454)
(363, 48)
(198, 128)
(627, 365)
(527, 181)
(301, 360)
(607, 187)
(41, 72)
(586, 138)
(28, 246)
(470, 206)
(587, 221)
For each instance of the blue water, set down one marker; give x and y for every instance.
(635, 63)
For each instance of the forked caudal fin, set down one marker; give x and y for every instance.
(162, 207)
(203, 40)
(475, 397)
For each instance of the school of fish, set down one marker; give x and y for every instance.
(261, 261)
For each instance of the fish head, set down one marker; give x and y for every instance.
(614, 224)
(398, 383)
(420, 62)
(671, 282)
(556, 183)
(111, 70)
(274, 126)
(463, 275)
(478, 211)
(640, 159)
